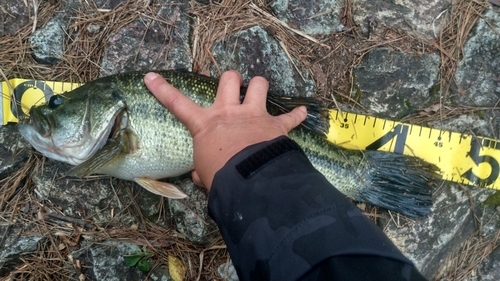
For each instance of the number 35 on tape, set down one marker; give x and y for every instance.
(461, 158)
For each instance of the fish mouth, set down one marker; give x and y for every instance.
(40, 123)
(38, 131)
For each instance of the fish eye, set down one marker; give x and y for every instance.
(55, 101)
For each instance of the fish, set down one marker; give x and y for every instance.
(115, 126)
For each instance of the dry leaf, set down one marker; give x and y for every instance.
(176, 268)
(431, 109)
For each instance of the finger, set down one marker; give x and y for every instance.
(229, 88)
(196, 179)
(257, 91)
(180, 105)
(293, 118)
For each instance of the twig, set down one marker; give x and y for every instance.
(216, 247)
(35, 15)
(282, 45)
(274, 19)
(79, 222)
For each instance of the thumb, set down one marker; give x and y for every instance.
(196, 179)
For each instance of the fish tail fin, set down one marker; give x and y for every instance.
(317, 119)
(400, 183)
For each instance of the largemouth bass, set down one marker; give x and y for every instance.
(115, 126)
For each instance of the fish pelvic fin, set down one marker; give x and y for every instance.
(164, 189)
(400, 183)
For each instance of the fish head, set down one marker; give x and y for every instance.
(73, 126)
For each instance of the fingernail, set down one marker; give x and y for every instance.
(303, 109)
(151, 76)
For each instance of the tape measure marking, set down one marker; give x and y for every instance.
(461, 158)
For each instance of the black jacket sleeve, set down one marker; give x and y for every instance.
(282, 220)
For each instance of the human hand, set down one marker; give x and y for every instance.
(227, 126)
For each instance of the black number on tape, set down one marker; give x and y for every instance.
(344, 125)
(400, 132)
(474, 153)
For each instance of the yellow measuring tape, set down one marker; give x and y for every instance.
(461, 158)
(19, 95)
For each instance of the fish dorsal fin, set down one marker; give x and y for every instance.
(164, 189)
(110, 150)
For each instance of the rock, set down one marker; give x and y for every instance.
(417, 17)
(392, 83)
(160, 46)
(14, 15)
(253, 52)
(14, 246)
(464, 124)
(312, 17)
(107, 262)
(227, 271)
(490, 269)
(101, 200)
(478, 74)
(14, 151)
(190, 216)
(47, 43)
(429, 241)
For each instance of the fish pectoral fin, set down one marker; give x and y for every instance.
(109, 151)
(164, 189)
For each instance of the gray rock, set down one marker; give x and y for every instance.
(253, 52)
(102, 200)
(14, 151)
(428, 242)
(464, 124)
(392, 83)
(312, 17)
(227, 271)
(47, 43)
(107, 262)
(417, 17)
(190, 216)
(161, 46)
(478, 74)
(490, 269)
(490, 226)
(14, 246)
(14, 15)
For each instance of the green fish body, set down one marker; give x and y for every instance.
(115, 126)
